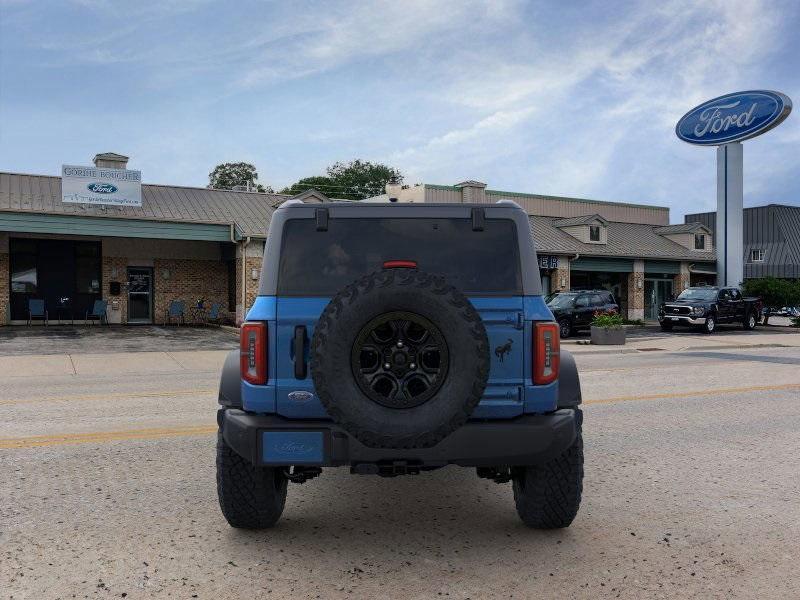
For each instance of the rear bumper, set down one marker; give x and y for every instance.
(525, 440)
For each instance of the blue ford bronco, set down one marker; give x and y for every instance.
(394, 339)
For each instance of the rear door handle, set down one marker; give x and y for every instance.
(299, 343)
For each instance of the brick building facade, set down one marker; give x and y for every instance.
(187, 244)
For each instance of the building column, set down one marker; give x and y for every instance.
(249, 257)
(636, 291)
(116, 269)
(5, 292)
(682, 280)
(559, 281)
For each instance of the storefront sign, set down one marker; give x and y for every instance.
(733, 117)
(93, 185)
(548, 262)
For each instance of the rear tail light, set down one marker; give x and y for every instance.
(546, 353)
(253, 353)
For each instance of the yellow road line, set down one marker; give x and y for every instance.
(694, 393)
(144, 434)
(37, 441)
(115, 396)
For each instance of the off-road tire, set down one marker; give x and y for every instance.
(750, 321)
(250, 497)
(548, 496)
(565, 329)
(431, 297)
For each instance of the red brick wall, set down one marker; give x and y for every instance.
(188, 280)
(4, 289)
(121, 265)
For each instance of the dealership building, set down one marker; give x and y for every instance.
(69, 247)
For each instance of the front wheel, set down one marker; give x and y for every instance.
(564, 328)
(548, 496)
(750, 321)
(250, 497)
(710, 325)
(666, 326)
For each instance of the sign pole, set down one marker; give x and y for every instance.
(730, 204)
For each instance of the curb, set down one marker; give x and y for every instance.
(681, 349)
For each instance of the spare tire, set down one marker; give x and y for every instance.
(400, 359)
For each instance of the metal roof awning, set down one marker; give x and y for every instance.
(26, 222)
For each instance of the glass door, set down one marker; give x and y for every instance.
(656, 291)
(140, 295)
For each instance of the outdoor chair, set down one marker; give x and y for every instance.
(214, 315)
(37, 310)
(176, 310)
(99, 312)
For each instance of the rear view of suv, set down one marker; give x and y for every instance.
(574, 310)
(397, 339)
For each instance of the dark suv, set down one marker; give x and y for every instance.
(395, 339)
(573, 310)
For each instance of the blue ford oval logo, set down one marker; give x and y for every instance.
(733, 117)
(101, 188)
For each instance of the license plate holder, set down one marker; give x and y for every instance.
(290, 447)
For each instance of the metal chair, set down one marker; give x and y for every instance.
(213, 315)
(37, 310)
(176, 310)
(99, 312)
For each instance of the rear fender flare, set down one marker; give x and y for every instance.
(230, 383)
(569, 383)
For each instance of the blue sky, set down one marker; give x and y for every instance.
(563, 98)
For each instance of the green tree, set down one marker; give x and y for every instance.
(228, 175)
(354, 180)
(774, 292)
(317, 182)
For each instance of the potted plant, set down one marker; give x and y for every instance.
(607, 329)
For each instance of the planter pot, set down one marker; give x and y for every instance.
(611, 336)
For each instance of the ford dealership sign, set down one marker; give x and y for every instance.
(733, 117)
(102, 188)
(95, 185)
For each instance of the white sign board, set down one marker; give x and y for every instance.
(95, 185)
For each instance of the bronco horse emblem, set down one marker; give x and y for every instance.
(501, 351)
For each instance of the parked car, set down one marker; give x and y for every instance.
(574, 310)
(706, 307)
(393, 339)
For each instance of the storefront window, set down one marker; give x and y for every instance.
(23, 266)
(23, 277)
(87, 268)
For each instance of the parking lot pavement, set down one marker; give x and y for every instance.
(691, 491)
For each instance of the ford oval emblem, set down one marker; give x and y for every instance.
(300, 396)
(101, 188)
(733, 117)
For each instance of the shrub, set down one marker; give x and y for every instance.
(607, 319)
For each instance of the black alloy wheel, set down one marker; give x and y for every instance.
(564, 328)
(400, 359)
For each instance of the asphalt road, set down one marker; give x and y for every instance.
(692, 490)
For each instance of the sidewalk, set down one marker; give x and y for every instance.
(677, 341)
(111, 364)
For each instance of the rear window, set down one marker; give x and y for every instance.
(320, 263)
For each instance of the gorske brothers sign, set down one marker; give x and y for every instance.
(94, 185)
(733, 117)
